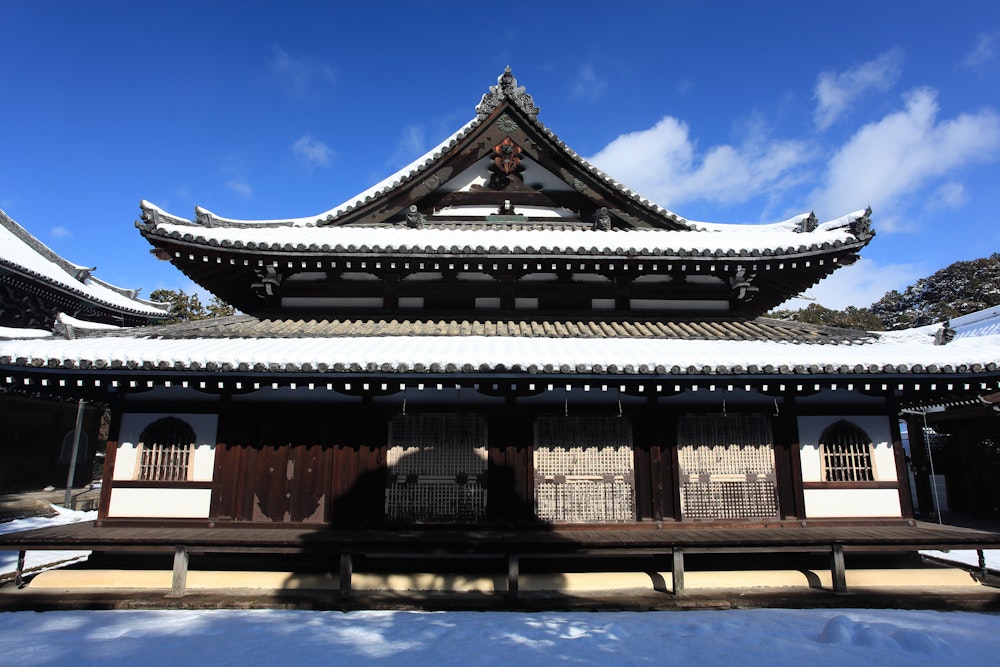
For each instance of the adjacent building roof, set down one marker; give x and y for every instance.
(36, 284)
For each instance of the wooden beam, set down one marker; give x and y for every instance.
(837, 569)
(181, 561)
(677, 571)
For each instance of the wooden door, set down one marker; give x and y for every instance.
(273, 469)
(290, 483)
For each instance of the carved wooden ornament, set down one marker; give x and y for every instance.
(508, 156)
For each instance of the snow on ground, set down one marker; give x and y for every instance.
(35, 560)
(775, 637)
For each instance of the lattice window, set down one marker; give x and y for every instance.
(584, 469)
(165, 449)
(437, 468)
(726, 467)
(846, 453)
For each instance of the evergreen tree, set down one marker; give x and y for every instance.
(186, 307)
(958, 289)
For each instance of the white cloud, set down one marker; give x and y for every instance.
(60, 232)
(948, 195)
(588, 86)
(299, 76)
(893, 157)
(858, 285)
(242, 188)
(312, 152)
(835, 92)
(663, 163)
(983, 53)
(411, 146)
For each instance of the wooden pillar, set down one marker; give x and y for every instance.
(19, 573)
(513, 574)
(787, 460)
(346, 574)
(181, 560)
(921, 466)
(110, 453)
(902, 473)
(677, 571)
(837, 569)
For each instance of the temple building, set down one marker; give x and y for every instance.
(501, 335)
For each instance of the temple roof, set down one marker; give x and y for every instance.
(60, 285)
(785, 238)
(502, 185)
(242, 344)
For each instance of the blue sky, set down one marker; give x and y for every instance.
(720, 111)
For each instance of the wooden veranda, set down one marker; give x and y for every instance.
(341, 546)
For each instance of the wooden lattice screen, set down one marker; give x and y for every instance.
(847, 453)
(726, 467)
(584, 469)
(437, 468)
(165, 450)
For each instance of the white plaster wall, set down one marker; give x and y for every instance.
(878, 429)
(832, 503)
(205, 429)
(160, 503)
(839, 503)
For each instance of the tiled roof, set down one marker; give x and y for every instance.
(529, 347)
(780, 239)
(21, 251)
(246, 326)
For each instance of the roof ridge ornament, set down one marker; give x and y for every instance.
(861, 227)
(506, 89)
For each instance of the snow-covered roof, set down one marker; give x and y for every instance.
(783, 238)
(22, 252)
(980, 323)
(679, 236)
(891, 353)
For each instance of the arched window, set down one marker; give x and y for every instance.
(165, 448)
(847, 453)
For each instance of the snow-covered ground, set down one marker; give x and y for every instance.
(36, 560)
(777, 637)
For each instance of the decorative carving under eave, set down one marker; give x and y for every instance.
(414, 218)
(862, 227)
(808, 224)
(506, 89)
(602, 220)
(270, 281)
(740, 283)
(508, 156)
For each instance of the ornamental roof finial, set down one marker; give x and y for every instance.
(506, 89)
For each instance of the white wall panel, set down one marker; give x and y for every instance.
(160, 503)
